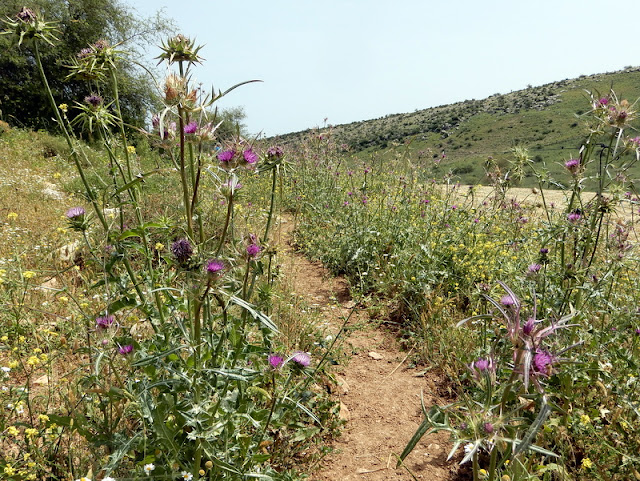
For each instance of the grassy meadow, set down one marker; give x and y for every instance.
(146, 333)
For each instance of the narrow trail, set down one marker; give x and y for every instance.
(379, 394)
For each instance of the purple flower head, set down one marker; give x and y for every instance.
(250, 156)
(226, 155)
(75, 213)
(481, 364)
(544, 251)
(105, 322)
(275, 361)
(101, 45)
(488, 428)
(572, 165)
(126, 349)
(191, 127)
(253, 250)
(603, 101)
(534, 268)
(543, 363)
(26, 15)
(482, 367)
(214, 267)
(527, 329)
(574, 217)
(84, 53)
(182, 250)
(94, 100)
(275, 152)
(507, 300)
(301, 358)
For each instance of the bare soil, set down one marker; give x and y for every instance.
(379, 393)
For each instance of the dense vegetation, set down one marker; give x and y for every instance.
(145, 335)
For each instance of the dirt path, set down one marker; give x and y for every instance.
(379, 394)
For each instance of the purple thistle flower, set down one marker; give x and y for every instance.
(507, 300)
(250, 156)
(84, 53)
(101, 45)
(301, 358)
(214, 266)
(182, 250)
(638, 331)
(544, 251)
(527, 329)
(275, 152)
(126, 349)
(543, 363)
(534, 268)
(105, 322)
(488, 428)
(226, 156)
(275, 361)
(94, 100)
(253, 250)
(481, 364)
(572, 165)
(26, 15)
(191, 127)
(574, 217)
(75, 213)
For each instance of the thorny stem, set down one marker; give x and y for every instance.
(74, 153)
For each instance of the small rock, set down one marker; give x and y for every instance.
(344, 414)
(376, 356)
(342, 384)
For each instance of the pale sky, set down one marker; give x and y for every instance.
(361, 59)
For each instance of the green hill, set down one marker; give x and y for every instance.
(549, 120)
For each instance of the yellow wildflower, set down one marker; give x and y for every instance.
(43, 418)
(33, 361)
(9, 471)
(159, 246)
(28, 274)
(12, 431)
(131, 149)
(30, 432)
(586, 463)
(57, 175)
(63, 107)
(585, 419)
(12, 216)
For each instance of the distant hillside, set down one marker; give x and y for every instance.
(544, 119)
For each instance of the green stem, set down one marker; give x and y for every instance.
(273, 200)
(183, 177)
(226, 225)
(74, 154)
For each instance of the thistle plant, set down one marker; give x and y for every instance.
(180, 373)
(498, 420)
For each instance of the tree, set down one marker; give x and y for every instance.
(80, 23)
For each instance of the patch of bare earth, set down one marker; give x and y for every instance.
(379, 393)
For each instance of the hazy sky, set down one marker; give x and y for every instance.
(360, 59)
